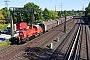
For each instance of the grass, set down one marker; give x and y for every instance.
(5, 43)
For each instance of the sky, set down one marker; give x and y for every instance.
(50, 4)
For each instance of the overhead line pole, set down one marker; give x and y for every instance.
(6, 3)
(55, 8)
(61, 10)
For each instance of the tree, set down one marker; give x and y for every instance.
(59, 13)
(1, 16)
(89, 4)
(46, 14)
(38, 11)
(2, 21)
(53, 14)
(6, 13)
(87, 10)
(87, 13)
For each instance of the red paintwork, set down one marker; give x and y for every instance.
(21, 25)
(24, 32)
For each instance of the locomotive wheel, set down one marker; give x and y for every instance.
(41, 33)
(27, 38)
(33, 36)
(37, 35)
(24, 40)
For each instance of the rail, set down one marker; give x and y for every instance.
(73, 49)
(80, 47)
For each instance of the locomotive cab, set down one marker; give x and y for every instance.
(43, 27)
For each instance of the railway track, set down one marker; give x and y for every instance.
(63, 49)
(31, 52)
(37, 42)
(49, 35)
(82, 47)
(76, 48)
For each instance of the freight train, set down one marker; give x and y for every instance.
(27, 33)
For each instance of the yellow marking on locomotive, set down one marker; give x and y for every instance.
(19, 37)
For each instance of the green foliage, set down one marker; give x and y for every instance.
(3, 26)
(38, 21)
(53, 14)
(88, 14)
(49, 14)
(46, 14)
(6, 14)
(38, 16)
(59, 13)
(87, 11)
(15, 17)
(38, 12)
(5, 43)
(89, 4)
(2, 21)
(1, 16)
(69, 13)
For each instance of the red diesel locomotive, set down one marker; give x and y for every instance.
(26, 33)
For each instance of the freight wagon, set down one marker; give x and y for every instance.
(27, 33)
